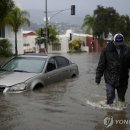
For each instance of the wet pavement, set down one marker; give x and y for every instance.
(62, 106)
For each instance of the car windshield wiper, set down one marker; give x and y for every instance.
(21, 71)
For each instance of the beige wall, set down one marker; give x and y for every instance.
(9, 34)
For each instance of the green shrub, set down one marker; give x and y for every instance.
(5, 48)
(76, 45)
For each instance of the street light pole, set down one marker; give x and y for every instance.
(46, 18)
(46, 41)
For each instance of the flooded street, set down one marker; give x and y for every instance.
(62, 106)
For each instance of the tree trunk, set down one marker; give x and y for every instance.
(16, 48)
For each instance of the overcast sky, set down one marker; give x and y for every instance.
(83, 7)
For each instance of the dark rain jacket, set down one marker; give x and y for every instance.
(114, 67)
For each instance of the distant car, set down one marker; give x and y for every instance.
(28, 72)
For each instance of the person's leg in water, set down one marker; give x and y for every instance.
(121, 91)
(110, 93)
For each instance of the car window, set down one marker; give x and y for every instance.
(62, 61)
(51, 65)
(28, 64)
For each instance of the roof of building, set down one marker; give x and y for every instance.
(29, 33)
(82, 35)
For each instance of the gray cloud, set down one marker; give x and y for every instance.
(83, 7)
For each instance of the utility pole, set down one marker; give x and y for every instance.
(46, 41)
(46, 18)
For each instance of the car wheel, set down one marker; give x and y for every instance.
(38, 86)
(73, 75)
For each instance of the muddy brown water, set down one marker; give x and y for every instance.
(62, 106)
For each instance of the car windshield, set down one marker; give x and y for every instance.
(25, 64)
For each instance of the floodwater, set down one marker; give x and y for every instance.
(62, 106)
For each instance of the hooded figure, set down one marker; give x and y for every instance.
(114, 64)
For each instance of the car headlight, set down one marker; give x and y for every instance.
(17, 87)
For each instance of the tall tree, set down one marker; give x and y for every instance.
(122, 25)
(5, 7)
(107, 20)
(16, 18)
(104, 21)
(88, 24)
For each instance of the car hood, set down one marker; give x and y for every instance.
(11, 78)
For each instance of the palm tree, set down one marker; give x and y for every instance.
(5, 7)
(16, 18)
(88, 24)
(52, 36)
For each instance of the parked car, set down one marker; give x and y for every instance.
(31, 71)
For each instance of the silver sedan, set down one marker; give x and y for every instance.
(28, 72)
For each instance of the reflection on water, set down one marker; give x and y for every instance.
(61, 106)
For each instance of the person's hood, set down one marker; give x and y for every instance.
(12, 78)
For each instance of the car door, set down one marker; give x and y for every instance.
(51, 72)
(63, 65)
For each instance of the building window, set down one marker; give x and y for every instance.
(26, 44)
(2, 32)
(56, 47)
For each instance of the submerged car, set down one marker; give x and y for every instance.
(29, 72)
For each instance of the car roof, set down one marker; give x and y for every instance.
(38, 55)
(35, 55)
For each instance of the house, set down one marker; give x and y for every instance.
(29, 42)
(89, 43)
(85, 39)
(62, 46)
(66, 39)
(7, 33)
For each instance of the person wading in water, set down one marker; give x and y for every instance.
(114, 64)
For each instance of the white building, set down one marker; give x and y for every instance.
(61, 47)
(8, 33)
(65, 40)
(83, 38)
(29, 44)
